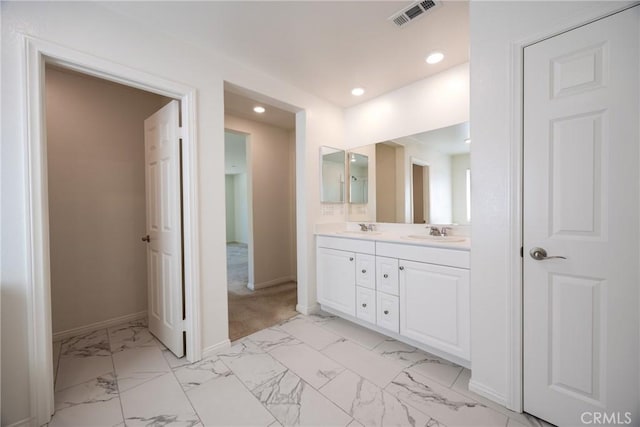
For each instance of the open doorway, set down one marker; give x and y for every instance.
(114, 200)
(260, 214)
(420, 191)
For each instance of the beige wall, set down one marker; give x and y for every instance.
(95, 145)
(385, 183)
(272, 176)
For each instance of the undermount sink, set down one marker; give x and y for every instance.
(439, 239)
(360, 233)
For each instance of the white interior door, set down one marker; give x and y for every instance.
(164, 231)
(581, 198)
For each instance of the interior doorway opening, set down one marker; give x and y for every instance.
(260, 213)
(420, 193)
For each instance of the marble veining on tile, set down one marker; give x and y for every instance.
(311, 371)
(372, 406)
(293, 402)
(131, 335)
(86, 345)
(442, 403)
(193, 375)
(420, 362)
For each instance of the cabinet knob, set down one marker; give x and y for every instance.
(386, 276)
(386, 312)
(364, 271)
(401, 268)
(350, 258)
(364, 305)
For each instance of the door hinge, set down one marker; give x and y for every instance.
(521, 251)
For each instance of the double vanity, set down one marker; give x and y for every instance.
(406, 284)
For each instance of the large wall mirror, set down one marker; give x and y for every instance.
(422, 179)
(332, 182)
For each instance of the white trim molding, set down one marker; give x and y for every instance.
(274, 282)
(488, 392)
(37, 52)
(80, 330)
(213, 349)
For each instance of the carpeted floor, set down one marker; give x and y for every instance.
(251, 311)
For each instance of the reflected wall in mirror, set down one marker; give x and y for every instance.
(332, 185)
(422, 178)
(358, 178)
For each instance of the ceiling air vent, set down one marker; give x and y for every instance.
(413, 11)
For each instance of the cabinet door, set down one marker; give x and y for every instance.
(387, 311)
(366, 271)
(336, 280)
(434, 306)
(366, 304)
(387, 275)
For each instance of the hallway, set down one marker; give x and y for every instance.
(251, 311)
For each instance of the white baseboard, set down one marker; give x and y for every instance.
(487, 392)
(307, 309)
(274, 282)
(57, 336)
(213, 349)
(27, 422)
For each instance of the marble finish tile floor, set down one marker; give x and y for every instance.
(307, 371)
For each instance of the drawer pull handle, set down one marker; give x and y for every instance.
(401, 268)
(386, 312)
(364, 305)
(386, 276)
(364, 271)
(351, 258)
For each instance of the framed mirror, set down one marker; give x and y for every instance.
(332, 175)
(421, 178)
(358, 178)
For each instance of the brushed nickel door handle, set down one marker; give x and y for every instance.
(539, 254)
(146, 238)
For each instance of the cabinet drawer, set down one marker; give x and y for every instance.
(440, 256)
(388, 312)
(387, 275)
(347, 244)
(366, 304)
(366, 271)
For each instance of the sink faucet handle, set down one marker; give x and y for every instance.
(445, 231)
(363, 227)
(434, 231)
(371, 227)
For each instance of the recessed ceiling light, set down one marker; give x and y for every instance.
(435, 57)
(259, 109)
(467, 141)
(358, 91)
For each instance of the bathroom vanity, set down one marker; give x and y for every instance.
(412, 287)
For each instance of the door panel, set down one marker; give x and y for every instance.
(581, 199)
(164, 248)
(337, 280)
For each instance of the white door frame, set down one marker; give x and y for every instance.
(515, 225)
(36, 52)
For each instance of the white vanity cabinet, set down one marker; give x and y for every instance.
(416, 293)
(434, 306)
(337, 279)
(337, 259)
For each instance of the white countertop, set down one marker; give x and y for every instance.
(396, 237)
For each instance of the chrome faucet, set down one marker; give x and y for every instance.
(365, 227)
(435, 231)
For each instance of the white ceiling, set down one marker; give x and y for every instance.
(323, 47)
(241, 106)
